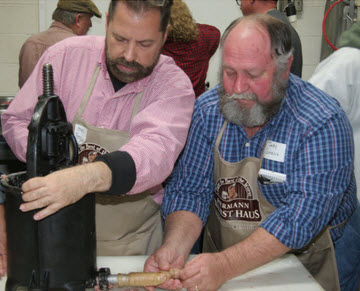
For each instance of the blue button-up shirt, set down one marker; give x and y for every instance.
(320, 185)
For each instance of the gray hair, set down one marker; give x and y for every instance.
(64, 16)
(279, 32)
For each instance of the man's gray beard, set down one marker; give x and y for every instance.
(257, 115)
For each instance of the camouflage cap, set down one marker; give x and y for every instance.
(81, 6)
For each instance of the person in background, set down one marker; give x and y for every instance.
(350, 37)
(191, 44)
(71, 18)
(270, 7)
(268, 166)
(339, 76)
(130, 107)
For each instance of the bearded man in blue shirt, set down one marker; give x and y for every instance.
(267, 169)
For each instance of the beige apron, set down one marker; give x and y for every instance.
(239, 208)
(126, 224)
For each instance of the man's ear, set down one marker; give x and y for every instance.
(76, 25)
(77, 19)
(288, 66)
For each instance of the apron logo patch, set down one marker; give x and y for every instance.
(234, 200)
(88, 152)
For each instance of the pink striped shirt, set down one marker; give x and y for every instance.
(159, 130)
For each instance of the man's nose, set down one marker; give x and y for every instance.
(241, 85)
(130, 52)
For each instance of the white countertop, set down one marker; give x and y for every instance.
(285, 273)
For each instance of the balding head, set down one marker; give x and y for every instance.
(259, 25)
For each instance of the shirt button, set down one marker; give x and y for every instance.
(247, 144)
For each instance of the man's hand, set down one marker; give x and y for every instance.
(182, 228)
(163, 260)
(203, 273)
(64, 187)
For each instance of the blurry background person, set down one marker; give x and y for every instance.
(270, 7)
(71, 18)
(339, 76)
(191, 44)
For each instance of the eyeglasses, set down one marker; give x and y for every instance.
(238, 2)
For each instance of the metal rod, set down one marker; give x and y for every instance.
(48, 80)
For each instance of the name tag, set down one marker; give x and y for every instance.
(275, 151)
(80, 133)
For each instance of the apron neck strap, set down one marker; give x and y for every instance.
(88, 91)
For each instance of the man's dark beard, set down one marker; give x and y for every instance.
(260, 113)
(129, 77)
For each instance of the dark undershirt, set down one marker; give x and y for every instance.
(116, 82)
(120, 163)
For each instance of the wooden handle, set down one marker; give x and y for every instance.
(139, 279)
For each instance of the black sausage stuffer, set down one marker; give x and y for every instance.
(58, 252)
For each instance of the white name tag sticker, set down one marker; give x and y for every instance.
(275, 151)
(80, 133)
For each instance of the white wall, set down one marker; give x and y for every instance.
(20, 18)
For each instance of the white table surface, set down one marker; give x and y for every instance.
(285, 273)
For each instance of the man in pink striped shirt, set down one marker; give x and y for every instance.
(130, 108)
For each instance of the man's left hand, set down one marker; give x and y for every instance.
(203, 273)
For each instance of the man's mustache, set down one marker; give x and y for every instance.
(122, 61)
(249, 97)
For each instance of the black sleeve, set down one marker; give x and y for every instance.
(123, 171)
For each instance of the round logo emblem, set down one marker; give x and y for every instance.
(89, 151)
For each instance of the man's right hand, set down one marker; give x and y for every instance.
(182, 229)
(165, 259)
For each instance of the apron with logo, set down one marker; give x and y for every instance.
(127, 224)
(239, 208)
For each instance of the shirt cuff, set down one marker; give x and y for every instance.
(123, 171)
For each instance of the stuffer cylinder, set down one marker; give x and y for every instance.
(57, 253)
